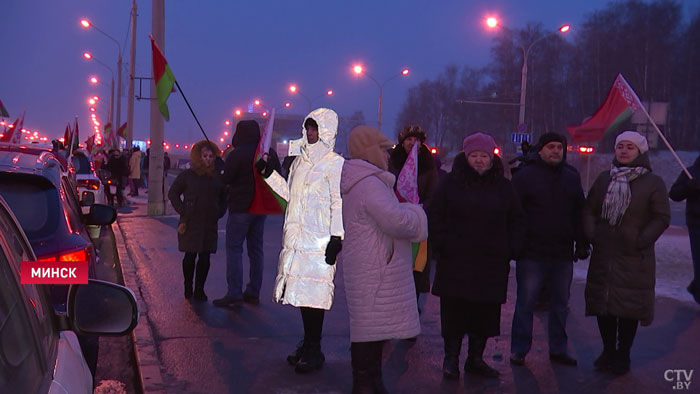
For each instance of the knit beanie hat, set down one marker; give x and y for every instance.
(478, 142)
(367, 143)
(412, 131)
(632, 136)
(546, 138)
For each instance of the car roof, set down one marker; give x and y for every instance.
(35, 151)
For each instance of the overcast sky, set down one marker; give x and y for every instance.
(225, 53)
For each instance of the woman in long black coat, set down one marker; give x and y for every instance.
(198, 196)
(476, 228)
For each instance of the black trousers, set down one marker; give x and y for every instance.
(459, 317)
(313, 323)
(188, 268)
(618, 331)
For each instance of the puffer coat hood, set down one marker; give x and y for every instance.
(327, 121)
(196, 162)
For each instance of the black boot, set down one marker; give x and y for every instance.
(475, 358)
(362, 368)
(188, 274)
(450, 366)
(376, 368)
(293, 357)
(202, 272)
(311, 358)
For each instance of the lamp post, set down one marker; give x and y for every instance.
(493, 23)
(89, 56)
(358, 69)
(87, 24)
(295, 90)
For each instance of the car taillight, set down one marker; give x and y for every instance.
(93, 184)
(76, 255)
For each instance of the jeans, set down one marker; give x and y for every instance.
(242, 226)
(531, 276)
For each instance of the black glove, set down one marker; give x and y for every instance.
(260, 166)
(335, 245)
(582, 253)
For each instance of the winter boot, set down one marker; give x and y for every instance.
(202, 272)
(475, 358)
(311, 358)
(362, 367)
(293, 357)
(376, 368)
(450, 365)
(188, 273)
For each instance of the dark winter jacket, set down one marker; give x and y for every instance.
(117, 166)
(682, 189)
(238, 169)
(476, 227)
(202, 203)
(622, 271)
(552, 199)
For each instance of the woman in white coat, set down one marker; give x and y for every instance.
(312, 233)
(377, 256)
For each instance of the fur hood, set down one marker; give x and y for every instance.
(196, 163)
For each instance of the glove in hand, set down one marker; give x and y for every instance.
(582, 253)
(335, 245)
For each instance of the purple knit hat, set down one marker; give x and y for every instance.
(478, 141)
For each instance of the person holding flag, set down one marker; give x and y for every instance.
(242, 224)
(313, 232)
(476, 228)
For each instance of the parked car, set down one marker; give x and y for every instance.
(37, 186)
(89, 186)
(39, 350)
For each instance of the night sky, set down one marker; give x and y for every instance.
(225, 53)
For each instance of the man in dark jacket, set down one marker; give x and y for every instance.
(241, 225)
(552, 198)
(689, 189)
(118, 169)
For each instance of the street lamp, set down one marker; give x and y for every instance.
(89, 56)
(492, 23)
(359, 70)
(295, 90)
(87, 24)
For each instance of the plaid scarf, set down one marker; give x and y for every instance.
(618, 195)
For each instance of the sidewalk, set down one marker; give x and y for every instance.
(191, 347)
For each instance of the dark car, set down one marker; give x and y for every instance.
(39, 351)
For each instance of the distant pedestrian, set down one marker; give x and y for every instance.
(118, 170)
(377, 256)
(241, 225)
(198, 196)
(689, 189)
(166, 165)
(552, 198)
(476, 228)
(312, 233)
(427, 183)
(626, 211)
(134, 171)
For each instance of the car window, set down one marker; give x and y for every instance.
(81, 164)
(21, 370)
(75, 215)
(34, 201)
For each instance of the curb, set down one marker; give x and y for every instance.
(147, 363)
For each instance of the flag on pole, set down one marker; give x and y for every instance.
(74, 141)
(90, 143)
(407, 191)
(265, 201)
(107, 128)
(122, 130)
(3, 111)
(164, 78)
(67, 135)
(619, 106)
(14, 134)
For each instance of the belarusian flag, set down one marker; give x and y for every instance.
(14, 134)
(73, 143)
(620, 104)
(89, 143)
(122, 130)
(407, 191)
(265, 200)
(3, 111)
(67, 135)
(164, 78)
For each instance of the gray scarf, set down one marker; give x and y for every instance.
(618, 195)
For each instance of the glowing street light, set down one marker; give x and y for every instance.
(94, 80)
(87, 55)
(329, 93)
(91, 101)
(237, 112)
(257, 102)
(359, 70)
(491, 22)
(227, 123)
(294, 89)
(287, 104)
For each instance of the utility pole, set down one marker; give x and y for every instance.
(156, 195)
(132, 71)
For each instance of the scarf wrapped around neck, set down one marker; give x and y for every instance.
(619, 195)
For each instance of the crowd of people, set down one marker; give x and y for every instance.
(477, 219)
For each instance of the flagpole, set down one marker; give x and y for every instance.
(188, 106)
(668, 145)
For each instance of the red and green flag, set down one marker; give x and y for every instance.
(121, 131)
(164, 78)
(265, 200)
(90, 143)
(619, 106)
(14, 134)
(3, 111)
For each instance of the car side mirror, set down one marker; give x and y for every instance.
(87, 199)
(102, 308)
(100, 214)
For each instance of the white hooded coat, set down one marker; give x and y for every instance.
(377, 256)
(313, 215)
